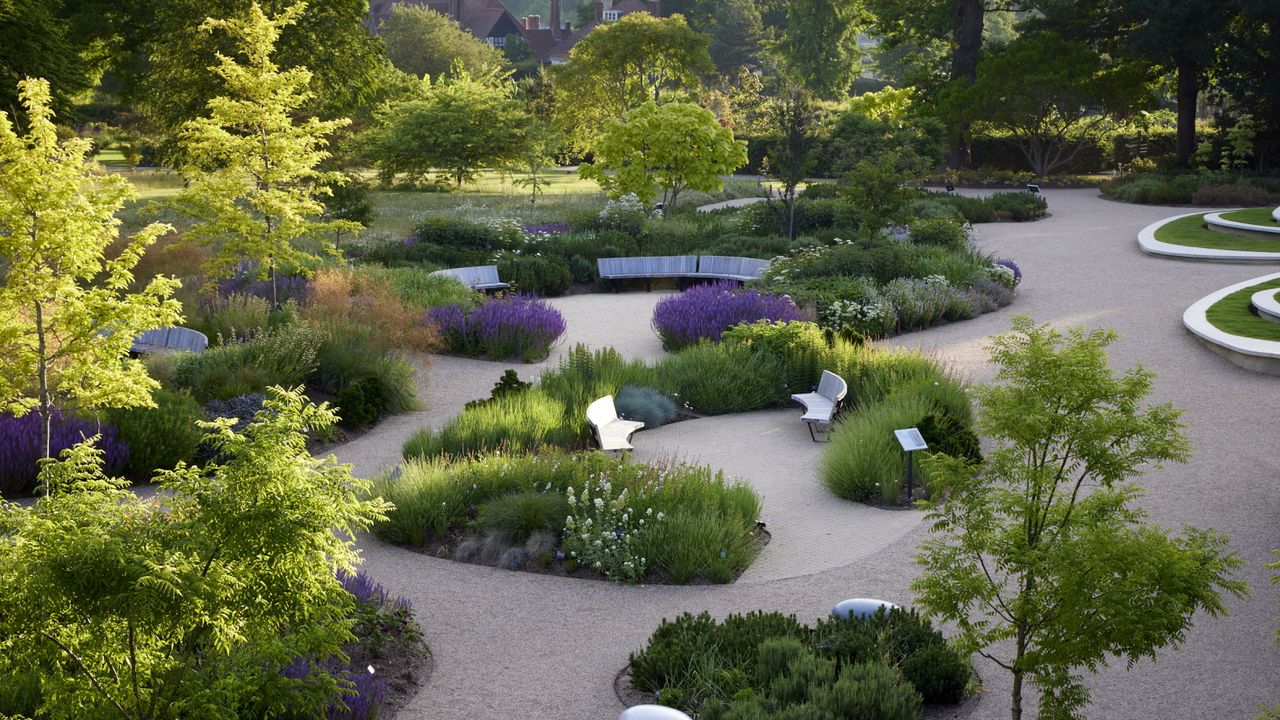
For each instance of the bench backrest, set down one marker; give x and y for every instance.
(832, 386)
(477, 275)
(731, 266)
(648, 266)
(173, 338)
(602, 412)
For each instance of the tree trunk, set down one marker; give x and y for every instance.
(1188, 95)
(46, 404)
(275, 296)
(967, 35)
(1016, 709)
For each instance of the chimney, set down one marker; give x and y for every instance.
(599, 10)
(524, 22)
(555, 19)
(535, 22)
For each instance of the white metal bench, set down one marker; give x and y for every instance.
(170, 339)
(731, 268)
(480, 277)
(611, 432)
(820, 407)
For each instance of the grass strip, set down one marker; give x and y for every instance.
(1231, 314)
(1192, 232)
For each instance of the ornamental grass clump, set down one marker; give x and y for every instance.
(704, 312)
(509, 327)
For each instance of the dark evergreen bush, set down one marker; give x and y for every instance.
(160, 437)
(361, 403)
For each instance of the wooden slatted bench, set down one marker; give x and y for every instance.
(480, 277)
(170, 339)
(820, 407)
(611, 432)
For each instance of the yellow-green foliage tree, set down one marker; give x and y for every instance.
(67, 316)
(619, 66)
(255, 183)
(188, 606)
(672, 147)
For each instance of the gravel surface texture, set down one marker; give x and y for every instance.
(521, 645)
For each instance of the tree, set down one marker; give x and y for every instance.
(818, 47)
(425, 43)
(457, 127)
(1183, 37)
(536, 158)
(254, 183)
(793, 155)
(189, 605)
(957, 23)
(673, 147)
(1048, 107)
(67, 319)
(1042, 561)
(37, 40)
(735, 35)
(619, 66)
(159, 58)
(877, 188)
(350, 201)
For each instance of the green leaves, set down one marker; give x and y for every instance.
(1042, 545)
(672, 147)
(189, 604)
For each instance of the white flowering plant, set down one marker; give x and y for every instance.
(602, 530)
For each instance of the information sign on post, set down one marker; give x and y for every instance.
(911, 440)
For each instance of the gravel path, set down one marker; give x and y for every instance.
(516, 645)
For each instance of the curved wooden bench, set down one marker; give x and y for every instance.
(708, 267)
(171, 339)
(611, 432)
(820, 407)
(731, 268)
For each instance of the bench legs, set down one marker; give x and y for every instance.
(813, 434)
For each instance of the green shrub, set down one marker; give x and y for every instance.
(416, 286)
(945, 434)
(715, 378)
(1019, 206)
(644, 404)
(942, 233)
(512, 423)
(863, 461)
(901, 638)
(159, 437)
(517, 516)
(584, 375)
(283, 357)
(938, 673)
(874, 374)
(542, 276)
(800, 346)
(363, 402)
(237, 317)
(349, 356)
(873, 690)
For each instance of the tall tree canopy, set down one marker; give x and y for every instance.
(67, 319)
(41, 38)
(424, 43)
(255, 186)
(736, 32)
(818, 46)
(621, 65)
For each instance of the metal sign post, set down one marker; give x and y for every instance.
(911, 440)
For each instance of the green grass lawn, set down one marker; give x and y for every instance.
(1231, 314)
(1253, 216)
(1191, 231)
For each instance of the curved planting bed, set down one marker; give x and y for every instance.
(1188, 237)
(1251, 223)
(1226, 322)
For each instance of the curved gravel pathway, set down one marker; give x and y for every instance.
(517, 645)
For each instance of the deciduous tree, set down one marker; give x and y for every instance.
(1041, 558)
(457, 127)
(793, 154)
(190, 605)
(673, 147)
(425, 43)
(67, 317)
(621, 65)
(255, 186)
(818, 46)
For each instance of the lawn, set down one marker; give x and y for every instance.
(1231, 314)
(1253, 216)
(1191, 231)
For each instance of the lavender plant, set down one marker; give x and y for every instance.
(507, 327)
(21, 447)
(704, 312)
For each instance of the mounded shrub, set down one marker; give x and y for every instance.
(644, 404)
(363, 402)
(714, 379)
(863, 461)
(704, 312)
(537, 275)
